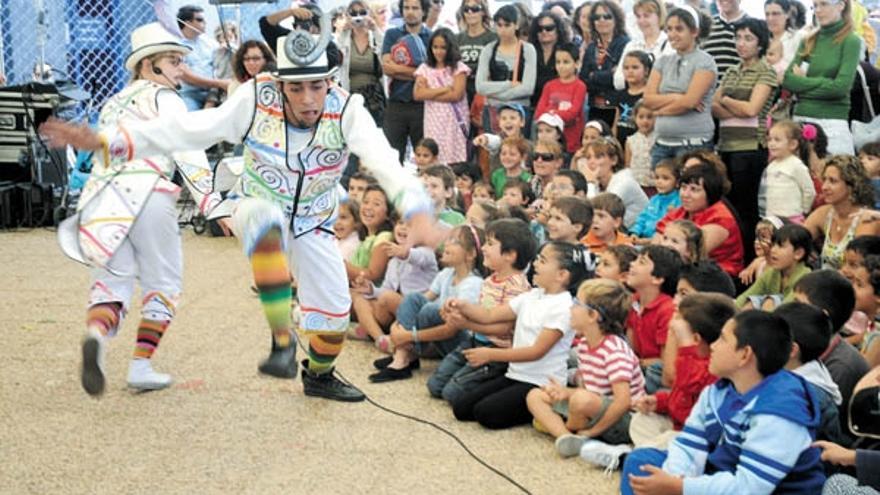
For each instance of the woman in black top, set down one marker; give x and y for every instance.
(547, 32)
(608, 32)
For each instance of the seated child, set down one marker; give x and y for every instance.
(511, 122)
(466, 176)
(348, 228)
(409, 270)
(751, 432)
(653, 276)
(569, 183)
(608, 213)
(832, 293)
(811, 333)
(666, 177)
(516, 193)
(859, 325)
(378, 217)
(439, 182)
(482, 212)
(703, 276)
(357, 185)
(569, 219)
(541, 339)
(788, 255)
(609, 372)
(696, 324)
(866, 284)
(419, 319)
(615, 261)
(869, 156)
(483, 191)
(685, 238)
(546, 161)
(514, 152)
(508, 251)
(764, 231)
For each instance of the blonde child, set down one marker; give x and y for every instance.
(786, 189)
(541, 339)
(410, 269)
(636, 68)
(637, 151)
(667, 174)
(685, 238)
(608, 369)
(348, 228)
(420, 321)
(614, 262)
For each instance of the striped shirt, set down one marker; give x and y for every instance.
(496, 291)
(721, 44)
(610, 362)
(744, 134)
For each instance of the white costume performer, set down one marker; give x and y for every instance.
(126, 227)
(287, 199)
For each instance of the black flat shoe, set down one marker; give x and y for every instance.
(327, 386)
(382, 363)
(390, 375)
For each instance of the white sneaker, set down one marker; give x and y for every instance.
(570, 445)
(142, 377)
(92, 371)
(603, 455)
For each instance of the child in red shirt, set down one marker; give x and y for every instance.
(654, 278)
(696, 324)
(565, 95)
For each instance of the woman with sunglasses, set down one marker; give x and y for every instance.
(608, 28)
(361, 72)
(650, 17)
(822, 73)
(546, 34)
(474, 34)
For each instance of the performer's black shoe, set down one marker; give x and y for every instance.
(92, 372)
(281, 362)
(326, 385)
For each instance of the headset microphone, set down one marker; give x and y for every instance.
(159, 72)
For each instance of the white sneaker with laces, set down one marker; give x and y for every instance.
(603, 455)
(141, 376)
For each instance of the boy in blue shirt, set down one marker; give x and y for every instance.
(750, 432)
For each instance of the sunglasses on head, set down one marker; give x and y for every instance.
(601, 17)
(546, 157)
(357, 13)
(549, 28)
(473, 9)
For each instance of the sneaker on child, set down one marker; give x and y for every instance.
(603, 455)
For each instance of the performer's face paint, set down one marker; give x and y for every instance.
(304, 102)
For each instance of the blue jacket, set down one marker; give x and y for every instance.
(657, 208)
(756, 443)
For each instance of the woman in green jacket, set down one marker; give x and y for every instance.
(822, 73)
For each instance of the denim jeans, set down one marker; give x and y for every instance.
(662, 152)
(454, 377)
(653, 377)
(634, 461)
(416, 311)
(194, 98)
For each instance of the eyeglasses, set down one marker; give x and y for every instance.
(601, 17)
(577, 302)
(257, 58)
(357, 13)
(472, 9)
(546, 157)
(548, 28)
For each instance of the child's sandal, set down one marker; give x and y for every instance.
(385, 345)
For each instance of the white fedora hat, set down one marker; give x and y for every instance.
(290, 71)
(151, 39)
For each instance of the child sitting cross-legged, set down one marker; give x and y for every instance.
(541, 338)
(608, 369)
(787, 264)
(750, 432)
(420, 321)
(696, 324)
(508, 251)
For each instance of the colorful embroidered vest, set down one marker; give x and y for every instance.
(305, 190)
(116, 192)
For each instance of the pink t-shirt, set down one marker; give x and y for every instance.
(610, 362)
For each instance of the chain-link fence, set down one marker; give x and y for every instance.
(86, 41)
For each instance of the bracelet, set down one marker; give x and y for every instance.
(415, 335)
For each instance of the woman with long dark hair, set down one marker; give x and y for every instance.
(548, 31)
(609, 37)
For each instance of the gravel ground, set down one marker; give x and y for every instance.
(222, 428)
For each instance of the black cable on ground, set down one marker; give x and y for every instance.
(461, 443)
